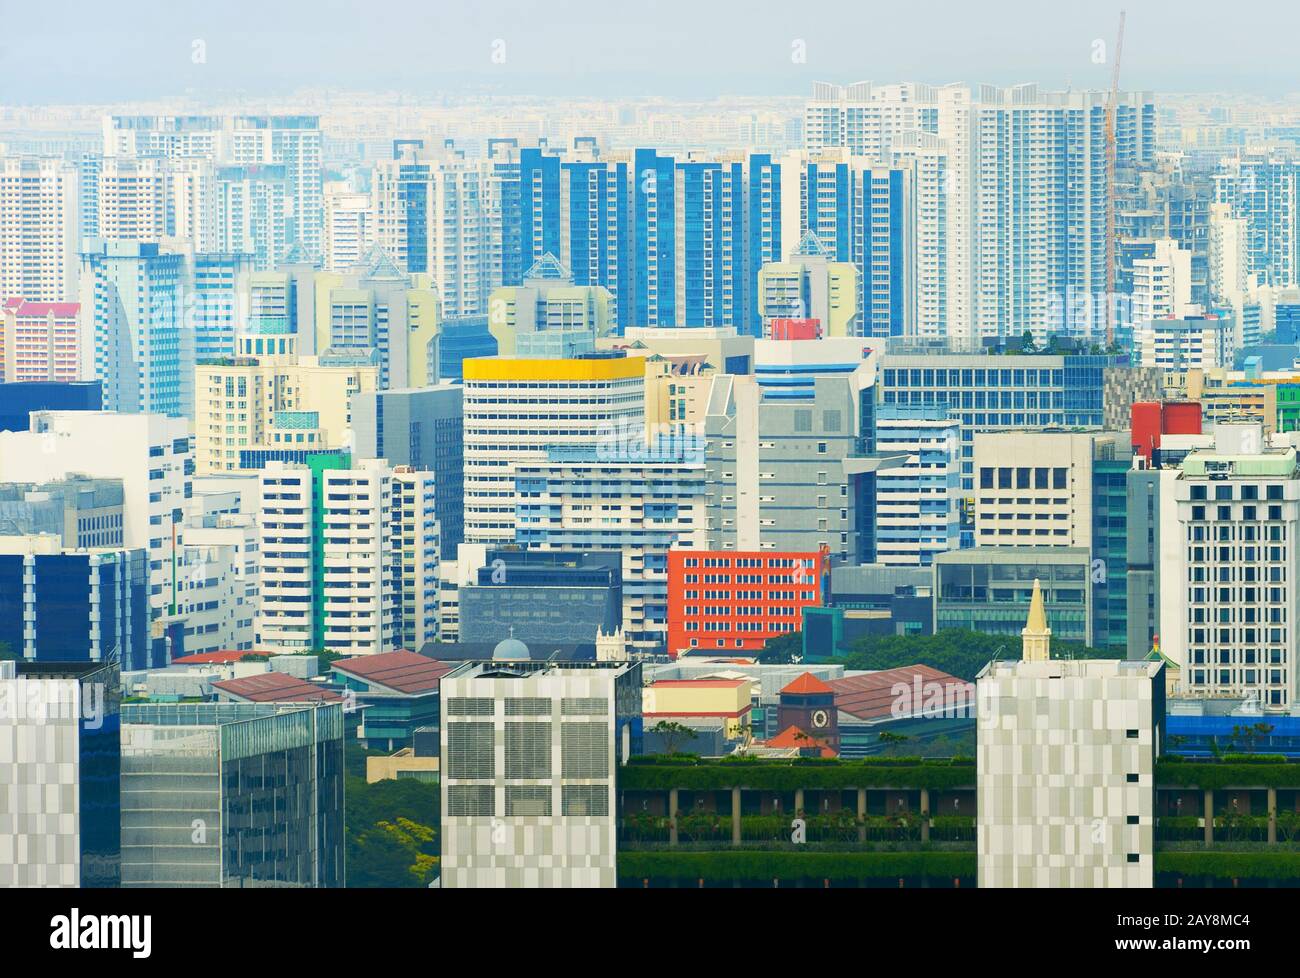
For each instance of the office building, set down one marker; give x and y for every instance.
(517, 410)
(60, 756)
(541, 812)
(1227, 607)
(788, 454)
(1014, 392)
(735, 601)
(1065, 764)
(19, 400)
(987, 589)
(75, 605)
(635, 504)
(83, 513)
(918, 503)
(149, 453)
(422, 428)
(542, 597)
(232, 795)
(1184, 343)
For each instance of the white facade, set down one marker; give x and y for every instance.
(1184, 344)
(212, 598)
(528, 772)
(349, 226)
(360, 580)
(1065, 768)
(1229, 604)
(38, 229)
(516, 410)
(1162, 284)
(417, 550)
(639, 509)
(917, 513)
(1035, 488)
(150, 453)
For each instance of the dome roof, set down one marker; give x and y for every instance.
(510, 649)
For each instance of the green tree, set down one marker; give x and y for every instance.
(784, 649)
(673, 733)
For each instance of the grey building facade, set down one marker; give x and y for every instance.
(232, 795)
(422, 427)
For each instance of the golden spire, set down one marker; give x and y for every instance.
(1036, 637)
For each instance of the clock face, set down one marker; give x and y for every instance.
(819, 718)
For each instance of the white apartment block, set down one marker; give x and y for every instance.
(417, 550)
(286, 604)
(343, 581)
(38, 229)
(359, 613)
(449, 238)
(1010, 231)
(212, 598)
(134, 199)
(289, 141)
(530, 753)
(1229, 602)
(517, 410)
(44, 341)
(150, 453)
(349, 226)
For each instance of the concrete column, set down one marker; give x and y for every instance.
(798, 802)
(735, 816)
(862, 814)
(672, 816)
(1209, 816)
(925, 814)
(1272, 815)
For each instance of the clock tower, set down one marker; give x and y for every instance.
(809, 704)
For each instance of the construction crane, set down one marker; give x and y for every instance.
(1112, 154)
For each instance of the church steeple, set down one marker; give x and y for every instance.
(1036, 637)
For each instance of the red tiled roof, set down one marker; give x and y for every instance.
(793, 736)
(807, 683)
(221, 657)
(401, 671)
(61, 310)
(276, 687)
(872, 695)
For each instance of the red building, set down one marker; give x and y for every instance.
(727, 600)
(796, 329)
(1151, 419)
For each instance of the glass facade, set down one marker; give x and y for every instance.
(232, 794)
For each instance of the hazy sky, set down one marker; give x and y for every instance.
(103, 50)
